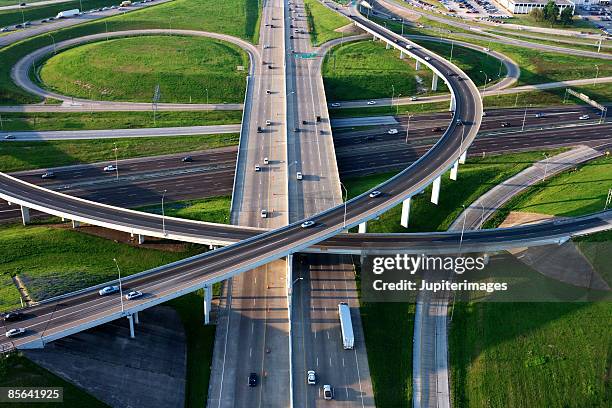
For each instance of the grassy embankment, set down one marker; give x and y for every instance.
(322, 22)
(239, 18)
(388, 326)
(187, 70)
(365, 69)
(52, 261)
(32, 155)
(41, 121)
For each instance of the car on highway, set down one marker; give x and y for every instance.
(257, 168)
(110, 167)
(296, 130)
(459, 122)
(263, 213)
(486, 49)
(266, 160)
(15, 332)
(539, 115)
(437, 129)
(584, 117)
(505, 124)
(304, 122)
(133, 294)
(311, 377)
(4, 29)
(9, 137)
(108, 290)
(266, 46)
(187, 159)
(13, 316)
(252, 379)
(375, 194)
(328, 392)
(392, 131)
(259, 129)
(414, 98)
(299, 175)
(371, 103)
(48, 175)
(427, 58)
(268, 91)
(268, 122)
(335, 105)
(307, 224)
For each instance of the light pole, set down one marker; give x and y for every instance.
(120, 287)
(402, 26)
(392, 93)
(484, 88)
(345, 200)
(524, 118)
(596, 74)
(408, 127)
(163, 213)
(482, 216)
(106, 26)
(451, 56)
(462, 228)
(296, 280)
(207, 96)
(545, 166)
(116, 162)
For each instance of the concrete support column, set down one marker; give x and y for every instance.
(417, 66)
(141, 239)
(434, 82)
(363, 227)
(405, 212)
(452, 104)
(289, 274)
(136, 320)
(207, 303)
(362, 257)
(463, 157)
(131, 320)
(401, 54)
(75, 224)
(25, 215)
(435, 190)
(388, 46)
(454, 169)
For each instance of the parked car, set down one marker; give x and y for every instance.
(108, 290)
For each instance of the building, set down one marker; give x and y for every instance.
(525, 6)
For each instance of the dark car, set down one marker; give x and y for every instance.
(506, 124)
(259, 129)
(318, 119)
(304, 122)
(252, 380)
(187, 159)
(437, 129)
(13, 316)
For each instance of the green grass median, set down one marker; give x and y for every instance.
(16, 156)
(41, 121)
(322, 22)
(186, 69)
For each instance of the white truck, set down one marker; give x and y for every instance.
(346, 325)
(125, 4)
(67, 13)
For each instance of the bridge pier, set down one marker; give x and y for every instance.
(75, 224)
(141, 239)
(452, 104)
(289, 275)
(363, 227)
(388, 46)
(417, 66)
(435, 190)
(463, 157)
(207, 303)
(405, 212)
(136, 320)
(434, 82)
(401, 54)
(131, 320)
(454, 170)
(25, 215)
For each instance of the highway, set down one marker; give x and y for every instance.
(234, 259)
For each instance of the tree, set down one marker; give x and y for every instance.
(551, 11)
(537, 14)
(567, 16)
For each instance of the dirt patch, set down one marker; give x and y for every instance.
(349, 29)
(125, 238)
(524, 218)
